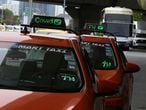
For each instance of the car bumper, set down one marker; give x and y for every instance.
(139, 45)
(114, 101)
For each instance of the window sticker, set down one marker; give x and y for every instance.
(68, 77)
(95, 44)
(106, 64)
(35, 47)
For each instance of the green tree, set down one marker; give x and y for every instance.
(137, 16)
(8, 17)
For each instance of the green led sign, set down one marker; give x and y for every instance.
(100, 27)
(69, 78)
(94, 27)
(48, 22)
(106, 64)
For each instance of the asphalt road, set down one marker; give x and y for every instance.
(138, 56)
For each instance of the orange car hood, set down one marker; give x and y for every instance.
(24, 100)
(109, 80)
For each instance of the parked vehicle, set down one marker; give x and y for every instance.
(12, 28)
(119, 21)
(113, 69)
(139, 39)
(46, 72)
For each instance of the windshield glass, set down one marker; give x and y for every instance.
(120, 30)
(39, 68)
(101, 55)
(118, 18)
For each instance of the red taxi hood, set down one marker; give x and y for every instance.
(24, 100)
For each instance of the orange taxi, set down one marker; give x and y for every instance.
(113, 69)
(45, 72)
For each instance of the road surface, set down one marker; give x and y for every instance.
(138, 56)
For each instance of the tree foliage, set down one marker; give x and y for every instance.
(137, 16)
(8, 17)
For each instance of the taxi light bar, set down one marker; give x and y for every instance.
(48, 22)
(94, 27)
(98, 29)
(44, 22)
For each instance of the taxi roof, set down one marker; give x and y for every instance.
(41, 39)
(55, 35)
(42, 30)
(93, 38)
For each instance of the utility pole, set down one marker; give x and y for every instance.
(30, 10)
(64, 6)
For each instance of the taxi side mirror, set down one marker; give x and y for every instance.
(132, 68)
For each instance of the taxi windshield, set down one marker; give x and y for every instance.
(39, 68)
(101, 55)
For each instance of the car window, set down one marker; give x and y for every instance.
(89, 66)
(39, 68)
(123, 58)
(101, 55)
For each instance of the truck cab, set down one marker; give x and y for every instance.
(119, 21)
(139, 39)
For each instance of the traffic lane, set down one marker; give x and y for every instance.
(138, 56)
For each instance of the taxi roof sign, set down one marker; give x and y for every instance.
(100, 27)
(48, 22)
(94, 27)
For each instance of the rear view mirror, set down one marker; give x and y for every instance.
(131, 68)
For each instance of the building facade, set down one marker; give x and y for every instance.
(37, 9)
(3, 2)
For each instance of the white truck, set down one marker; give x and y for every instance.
(119, 21)
(139, 39)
